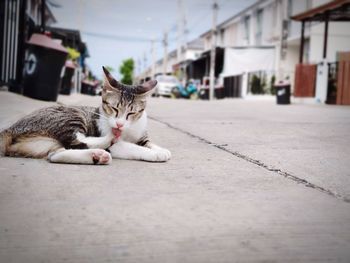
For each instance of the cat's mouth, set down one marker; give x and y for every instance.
(117, 133)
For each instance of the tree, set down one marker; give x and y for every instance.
(127, 69)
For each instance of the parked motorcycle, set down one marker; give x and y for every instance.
(188, 92)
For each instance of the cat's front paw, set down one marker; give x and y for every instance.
(101, 157)
(161, 155)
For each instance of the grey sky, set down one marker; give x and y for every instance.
(118, 29)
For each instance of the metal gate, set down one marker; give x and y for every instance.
(12, 21)
(233, 86)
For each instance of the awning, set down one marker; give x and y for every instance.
(338, 10)
(244, 60)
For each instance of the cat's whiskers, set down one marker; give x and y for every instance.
(98, 114)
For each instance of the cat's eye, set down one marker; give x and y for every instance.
(116, 111)
(129, 114)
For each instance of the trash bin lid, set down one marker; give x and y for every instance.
(45, 41)
(282, 83)
(70, 64)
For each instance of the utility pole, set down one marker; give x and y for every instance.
(165, 59)
(179, 30)
(153, 60)
(145, 64)
(184, 41)
(213, 51)
(181, 38)
(139, 70)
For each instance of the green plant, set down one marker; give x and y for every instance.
(263, 84)
(272, 85)
(256, 85)
(127, 69)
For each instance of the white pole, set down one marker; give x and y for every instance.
(153, 60)
(179, 30)
(145, 64)
(213, 52)
(165, 60)
(139, 69)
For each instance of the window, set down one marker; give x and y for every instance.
(247, 29)
(222, 37)
(259, 26)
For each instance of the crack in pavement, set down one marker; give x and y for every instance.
(257, 162)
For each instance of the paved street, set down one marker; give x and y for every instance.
(249, 181)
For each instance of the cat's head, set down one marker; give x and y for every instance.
(124, 104)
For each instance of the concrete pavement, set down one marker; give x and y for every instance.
(309, 142)
(213, 202)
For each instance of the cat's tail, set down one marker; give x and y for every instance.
(5, 142)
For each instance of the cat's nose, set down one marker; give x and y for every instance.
(120, 125)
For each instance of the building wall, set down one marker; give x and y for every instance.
(244, 30)
(316, 3)
(33, 10)
(192, 54)
(187, 54)
(207, 42)
(272, 14)
(338, 40)
(296, 7)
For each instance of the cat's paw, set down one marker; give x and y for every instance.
(101, 157)
(161, 155)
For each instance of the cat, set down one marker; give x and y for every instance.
(87, 135)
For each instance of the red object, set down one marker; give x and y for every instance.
(305, 80)
(343, 84)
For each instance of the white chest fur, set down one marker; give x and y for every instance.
(136, 130)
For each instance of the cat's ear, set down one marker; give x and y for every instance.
(109, 84)
(146, 88)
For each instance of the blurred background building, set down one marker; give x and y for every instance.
(305, 43)
(262, 45)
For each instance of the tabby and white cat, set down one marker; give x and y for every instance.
(87, 135)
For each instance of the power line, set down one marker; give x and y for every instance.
(120, 38)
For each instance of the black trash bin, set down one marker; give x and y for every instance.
(282, 93)
(204, 93)
(44, 62)
(66, 86)
(88, 87)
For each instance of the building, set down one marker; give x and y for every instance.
(174, 65)
(262, 45)
(327, 65)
